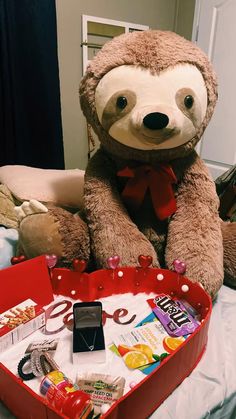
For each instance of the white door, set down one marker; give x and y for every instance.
(215, 32)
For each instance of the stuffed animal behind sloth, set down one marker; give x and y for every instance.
(149, 97)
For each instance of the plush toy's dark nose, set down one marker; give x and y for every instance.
(155, 120)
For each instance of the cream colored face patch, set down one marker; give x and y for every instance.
(146, 111)
(119, 105)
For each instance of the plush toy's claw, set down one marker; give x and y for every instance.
(37, 206)
(26, 208)
(29, 208)
(19, 213)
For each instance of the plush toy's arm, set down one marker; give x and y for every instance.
(195, 230)
(111, 230)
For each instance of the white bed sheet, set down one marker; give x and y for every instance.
(210, 390)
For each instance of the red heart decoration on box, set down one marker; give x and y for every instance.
(51, 260)
(17, 259)
(144, 261)
(113, 262)
(179, 266)
(79, 265)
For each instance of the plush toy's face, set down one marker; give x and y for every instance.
(152, 112)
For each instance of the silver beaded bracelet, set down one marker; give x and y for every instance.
(36, 364)
(47, 363)
(41, 363)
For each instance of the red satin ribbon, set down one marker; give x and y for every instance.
(158, 180)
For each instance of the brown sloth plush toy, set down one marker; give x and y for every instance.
(149, 97)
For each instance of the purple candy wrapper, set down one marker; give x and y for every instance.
(173, 315)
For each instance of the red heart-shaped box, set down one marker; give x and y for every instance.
(146, 396)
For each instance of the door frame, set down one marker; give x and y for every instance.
(197, 11)
(87, 18)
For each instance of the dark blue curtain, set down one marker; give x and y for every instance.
(30, 111)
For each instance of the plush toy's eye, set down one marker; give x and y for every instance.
(121, 102)
(188, 101)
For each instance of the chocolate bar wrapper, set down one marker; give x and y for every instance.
(173, 315)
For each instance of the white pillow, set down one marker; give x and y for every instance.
(62, 187)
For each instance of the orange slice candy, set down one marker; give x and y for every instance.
(123, 349)
(171, 344)
(135, 359)
(142, 347)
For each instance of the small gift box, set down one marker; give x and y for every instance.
(20, 321)
(88, 336)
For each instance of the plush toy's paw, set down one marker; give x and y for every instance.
(127, 250)
(38, 233)
(209, 274)
(53, 231)
(132, 259)
(210, 280)
(29, 208)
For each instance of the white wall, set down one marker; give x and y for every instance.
(158, 14)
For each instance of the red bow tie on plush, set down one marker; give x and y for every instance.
(158, 180)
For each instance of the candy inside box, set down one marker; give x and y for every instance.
(124, 292)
